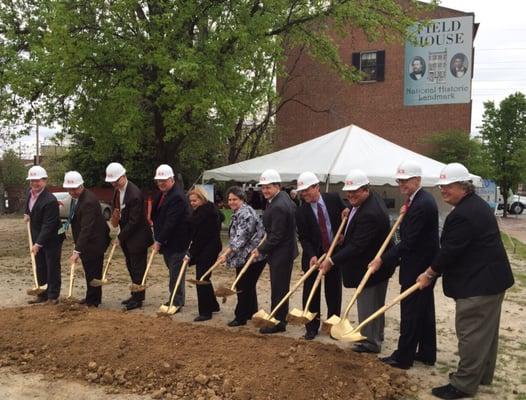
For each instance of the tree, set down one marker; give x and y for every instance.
(12, 179)
(458, 146)
(503, 133)
(153, 81)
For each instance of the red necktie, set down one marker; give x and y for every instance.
(161, 201)
(323, 229)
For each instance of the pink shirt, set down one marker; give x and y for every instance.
(33, 198)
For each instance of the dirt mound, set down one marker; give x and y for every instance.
(174, 360)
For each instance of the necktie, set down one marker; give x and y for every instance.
(351, 215)
(72, 209)
(161, 201)
(323, 229)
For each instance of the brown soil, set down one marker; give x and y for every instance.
(170, 359)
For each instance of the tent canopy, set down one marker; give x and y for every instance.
(331, 157)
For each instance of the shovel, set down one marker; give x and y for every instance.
(299, 317)
(103, 281)
(354, 335)
(171, 309)
(70, 299)
(223, 291)
(201, 281)
(142, 287)
(36, 290)
(338, 326)
(263, 319)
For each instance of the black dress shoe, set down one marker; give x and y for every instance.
(449, 392)
(92, 305)
(201, 318)
(421, 359)
(281, 327)
(360, 348)
(132, 305)
(390, 360)
(124, 302)
(37, 300)
(235, 323)
(83, 301)
(309, 335)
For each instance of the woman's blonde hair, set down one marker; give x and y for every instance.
(199, 193)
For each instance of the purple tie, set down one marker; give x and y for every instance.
(323, 229)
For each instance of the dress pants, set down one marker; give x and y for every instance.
(174, 261)
(333, 297)
(93, 270)
(477, 321)
(247, 299)
(417, 328)
(48, 269)
(371, 299)
(136, 265)
(206, 299)
(279, 286)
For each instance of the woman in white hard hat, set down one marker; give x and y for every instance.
(205, 228)
(475, 273)
(245, 232)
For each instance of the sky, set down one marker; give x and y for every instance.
(500, 54)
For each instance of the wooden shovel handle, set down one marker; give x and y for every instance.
(33, 259)
(317, 282)
(178, 281)
(150, 261)
(113, 247)
(247, 264)
(71, 278)
(209, 271)
(297, 285)
(369, 270)
(336, 237)
(386, 307)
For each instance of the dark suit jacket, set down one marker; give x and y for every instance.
(90, 230)
(205, 226)
(367, 231)
(280, 226)
(472, 258)
(45, 219)
(170, 221)
(309, 233)
(418, 239)
(135, 233)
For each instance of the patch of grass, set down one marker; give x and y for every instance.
(514, 246)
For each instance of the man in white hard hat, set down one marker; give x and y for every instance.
(317, 220)
(280, 246)
(42, 213)
(91, 234)
(416, 250)
(170, 212)
(135, 234)
(476, 273)
(366, 230)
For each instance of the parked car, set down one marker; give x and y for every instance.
(516, 203)
(64, 203)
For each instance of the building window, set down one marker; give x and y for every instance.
(371, 64)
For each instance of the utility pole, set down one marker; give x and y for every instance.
(37, 158)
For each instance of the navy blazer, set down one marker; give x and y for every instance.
(472, 258)
(309, 233)
(366, 232)
(205, 223)
(170, 221)
(280, 226)
(45, 219)
(418, 239)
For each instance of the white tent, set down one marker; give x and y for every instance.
(331, 157)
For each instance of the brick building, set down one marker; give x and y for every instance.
(325, 103)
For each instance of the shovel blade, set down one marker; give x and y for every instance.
(328, 324)
(224, 292)
(35, 291)
(261, 319)
(341, 329)
(166, 310)
(352, 336)
(69, 300)
(98, 282)
(198, 282)
(299, 317)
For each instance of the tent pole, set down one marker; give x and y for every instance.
(327, 184)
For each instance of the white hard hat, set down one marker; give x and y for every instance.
(114, 171)
(164, 171)
(306, 179)
(269, 176)
(355, 179)
(408, 169)
(72, 180)
(36, 172)
(454, 172)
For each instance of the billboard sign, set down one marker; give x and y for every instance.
(437, 68)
